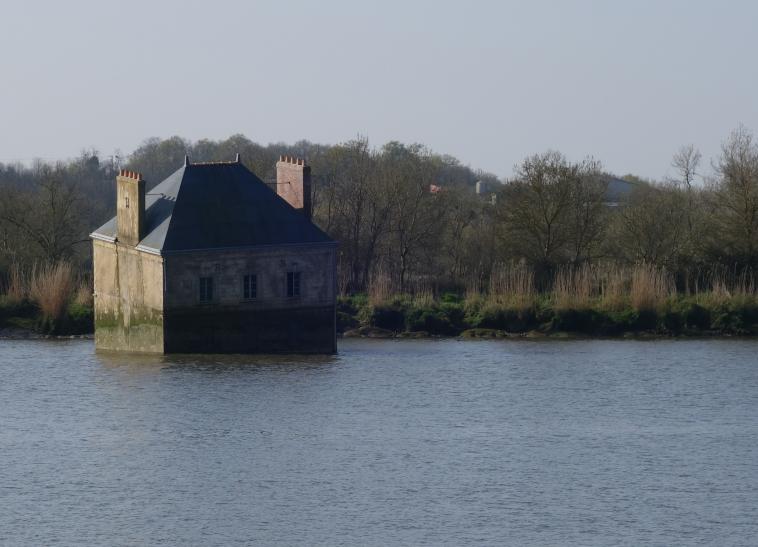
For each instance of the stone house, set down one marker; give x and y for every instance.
(212, 260)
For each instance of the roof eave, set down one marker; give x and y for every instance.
(102, 237)
(149, 250)
(330, 243)
(109, 239)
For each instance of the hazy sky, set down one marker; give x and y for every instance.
(488, 82)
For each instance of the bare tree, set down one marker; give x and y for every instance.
(651, 226)
(354, 208)
(734, 218)
(587, 211)
(417, 213)
(46, 215)
(686, 162)
(462, 211)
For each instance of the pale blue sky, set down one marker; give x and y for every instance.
(489, 82)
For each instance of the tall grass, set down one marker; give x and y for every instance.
(83, 295)
(614, 287)
(513, 284)
(51, 288)
(600, 299)
(650, 287)
(726, 287)
(17, 289)
(422, 292)
(575, 287)
(606, 286)
(380, 287)
(642, 286)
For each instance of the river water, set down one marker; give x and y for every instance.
(387, 443)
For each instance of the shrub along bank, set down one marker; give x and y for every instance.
(76, 318)
(473, 318)
(452, 315)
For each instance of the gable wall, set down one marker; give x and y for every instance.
(128, 299)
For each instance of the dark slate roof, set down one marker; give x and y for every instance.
(218, 205)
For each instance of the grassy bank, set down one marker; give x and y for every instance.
(589, 300)
(453, 315)
(592, 301)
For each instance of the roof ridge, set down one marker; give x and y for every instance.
(213, 163)
(171, 217)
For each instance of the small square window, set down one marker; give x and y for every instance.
(206, 289)
(293, 283)
(250, 286)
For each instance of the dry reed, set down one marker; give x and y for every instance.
(380, 287)
(423, 295)
(650, 287)
(614, 282)
(473, 290)
(83, 295)
(51, 288)
(513, 284)
(728, 286)
(17, 290)
(574, 287)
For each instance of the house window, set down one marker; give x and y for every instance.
(206, 289)
(293, 283)
(250, 286)
(127, 201)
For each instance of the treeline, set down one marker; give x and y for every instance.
(409, 220)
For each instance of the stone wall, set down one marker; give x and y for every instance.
(217, 329)
(128, 299)
(272, 322)
(130, 207)
(132, 312)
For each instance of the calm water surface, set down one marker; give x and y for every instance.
(405, 442)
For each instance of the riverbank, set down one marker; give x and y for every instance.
(25, 320)
(481, 317)
(704, 315)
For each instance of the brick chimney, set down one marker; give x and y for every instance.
(130, 207)
(293, 183)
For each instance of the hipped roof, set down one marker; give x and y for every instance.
(217, 205)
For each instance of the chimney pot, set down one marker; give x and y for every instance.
(130, 207)
(293, 183)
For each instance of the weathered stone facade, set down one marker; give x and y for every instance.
(128, 298)
(130, 207)
(160, 291)
(271, 321)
